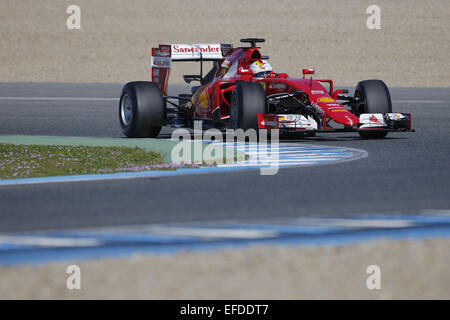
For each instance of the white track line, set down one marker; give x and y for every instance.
(49, 241)
(356, 223)
(419, 101)
(57, 99)
(116, 99)
(214, 232)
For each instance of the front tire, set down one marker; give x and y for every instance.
(248, 100)
(141, 109)
(377, 99)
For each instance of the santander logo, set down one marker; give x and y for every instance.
(190, 49)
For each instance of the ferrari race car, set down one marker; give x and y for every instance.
(242, 91)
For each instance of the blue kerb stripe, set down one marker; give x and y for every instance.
(35, 257)
(117, 241)
(121, 175)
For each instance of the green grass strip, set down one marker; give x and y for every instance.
(26, 161)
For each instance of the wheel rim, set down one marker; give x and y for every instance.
(126, 110)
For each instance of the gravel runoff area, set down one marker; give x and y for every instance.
(116, 36)
(409, 270)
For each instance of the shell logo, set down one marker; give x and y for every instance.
(203, 100)
(326, 99)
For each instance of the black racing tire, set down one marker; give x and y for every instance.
(141, 109)
(247, 100)
(377, 100)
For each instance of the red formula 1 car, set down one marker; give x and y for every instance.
(242, 91)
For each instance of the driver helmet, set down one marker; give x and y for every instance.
(260, 68)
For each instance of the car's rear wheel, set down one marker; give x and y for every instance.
(377, 99)
(141, 109)
(247, 100)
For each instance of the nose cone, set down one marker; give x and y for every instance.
(335, 111)
(342, 115)
(351, 120)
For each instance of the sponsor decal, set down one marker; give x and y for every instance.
(203, 100)
(395, 116)
(334, 105)
(277, 85)
(269, 123)
(326, 99)
(195, 49)
(317, 91)
(160, 62)
(370, 120)
(373, 118)
(279, 97)
(297, 121)
(339, 110)
(226, 64)
(317, 109)
(162, 53)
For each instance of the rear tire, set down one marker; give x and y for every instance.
(248, 100)
(377, 100)
(141, 109)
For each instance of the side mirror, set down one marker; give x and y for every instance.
(244, 72)
(340, 94)
(307, 71)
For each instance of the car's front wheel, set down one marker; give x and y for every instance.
(248, 100)
(377, 99)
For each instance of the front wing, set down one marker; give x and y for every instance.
(399, 122)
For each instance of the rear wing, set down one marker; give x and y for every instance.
(163, 56)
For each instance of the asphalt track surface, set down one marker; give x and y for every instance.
(403, 174)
